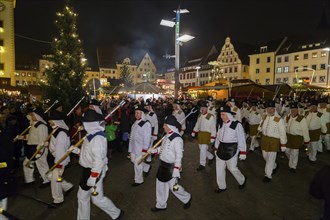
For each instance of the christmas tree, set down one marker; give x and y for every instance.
(125, 73)
(65, 77)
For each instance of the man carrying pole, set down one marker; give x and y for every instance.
(93, 160)
(170, 155)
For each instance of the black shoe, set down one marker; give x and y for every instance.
(68, 191)
(187, 205)
(57, 204)
(136, 184)
(155, 209)
(211, 161)
(292, 170)
(251, 151)
(147, 173)
(243, 185)
(274, 170)
(120, 215)
(266, 180)
(219, 190)
(311, 161)
(200, 168)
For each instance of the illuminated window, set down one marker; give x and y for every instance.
(323, 54)
(314, 55)
(286, 69)
(279, 69)
(296, 57)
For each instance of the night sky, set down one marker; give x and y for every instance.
(129, 28)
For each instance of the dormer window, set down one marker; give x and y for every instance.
(263, 49)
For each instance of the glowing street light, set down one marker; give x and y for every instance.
(178, 41)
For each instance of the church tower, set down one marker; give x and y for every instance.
(7, 43)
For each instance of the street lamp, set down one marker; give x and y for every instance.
(178, 40)
(197, 75)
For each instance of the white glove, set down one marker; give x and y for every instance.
(283, 149)
(154, 151)
(154, 137)
(242, 157)
(38, 155)
(212, 140)
(74, 149)
(193, 134)
(176, 173)
(46, 143)
(91, 181)
(19, 137)
(181, 132)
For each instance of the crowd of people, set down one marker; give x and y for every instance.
(34, 135)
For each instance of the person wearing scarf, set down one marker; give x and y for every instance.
(58, 145)
(36, 137)
(230, 142)
(94, 162)
(170, 155)
(139, 144)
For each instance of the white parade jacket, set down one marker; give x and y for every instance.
(295, 127)
(206, 125)
(171, 150)
(273, 126)
(140, 137)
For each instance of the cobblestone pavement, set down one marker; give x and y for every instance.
(286, 197)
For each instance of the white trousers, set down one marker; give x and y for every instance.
(326, 139)
(59, 187)
(231, 164)
(162, 192)
(42, 167)
(102, 202)
(254, 143)
(293, 155)
(139, 169)
(3, 205)
(312, 150)
(320, 146)
(270, 158)
(204, 153)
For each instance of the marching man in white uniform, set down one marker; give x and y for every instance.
(297, 135)
(37, 136)
(317, 125)
(58, 145)
(94, 162)
(139, 144)
(179, 115)
(170, 155)
(254, 119)
(206, 129)
(274, 139)
(230, 143)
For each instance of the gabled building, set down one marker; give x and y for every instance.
(262, 62)
(146, 71)
(233, 59)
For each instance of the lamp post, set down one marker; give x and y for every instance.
(197, 75)
(178, 40)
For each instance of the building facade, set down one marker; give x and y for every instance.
(262, 62)
(146, 71)
(7, 43)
